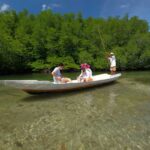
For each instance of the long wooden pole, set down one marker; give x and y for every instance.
(103, 43)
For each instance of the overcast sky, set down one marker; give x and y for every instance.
(94, 8)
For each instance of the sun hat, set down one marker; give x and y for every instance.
(112, 53)
(83, 66)
(87, 66)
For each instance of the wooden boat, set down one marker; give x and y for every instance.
(37, 86)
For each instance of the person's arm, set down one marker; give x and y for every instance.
(79, 77)
(53, 74)
(109, 59)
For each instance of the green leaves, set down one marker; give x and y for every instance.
(68, 61)
(36, 42)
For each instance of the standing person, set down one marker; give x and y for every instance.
(112, 60)
(57, 76)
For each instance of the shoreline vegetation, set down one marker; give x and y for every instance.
(35, 42)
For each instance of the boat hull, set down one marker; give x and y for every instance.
(40, 91)
(38, 87)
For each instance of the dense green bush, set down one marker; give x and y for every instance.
(34, 42)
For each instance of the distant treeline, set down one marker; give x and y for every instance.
(33, 42)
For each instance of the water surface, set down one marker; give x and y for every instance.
(115, 116)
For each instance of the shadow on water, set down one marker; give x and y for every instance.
(54, 96)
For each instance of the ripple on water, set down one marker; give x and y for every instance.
(109, 117)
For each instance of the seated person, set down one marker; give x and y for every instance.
(82, 76)
(89, 73)
(57, 77)
(86, 73)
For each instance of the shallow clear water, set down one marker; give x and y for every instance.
(111, 117)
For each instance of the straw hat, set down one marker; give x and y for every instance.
(111, 53)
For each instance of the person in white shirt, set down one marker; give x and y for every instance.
(57, 76)
(86, 73)
(89, 72)
(112, 60)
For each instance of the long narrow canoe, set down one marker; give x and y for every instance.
(37, 87)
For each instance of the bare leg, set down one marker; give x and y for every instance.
(113, 70)
(65, 80)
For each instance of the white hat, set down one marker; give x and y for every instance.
(112, 53)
